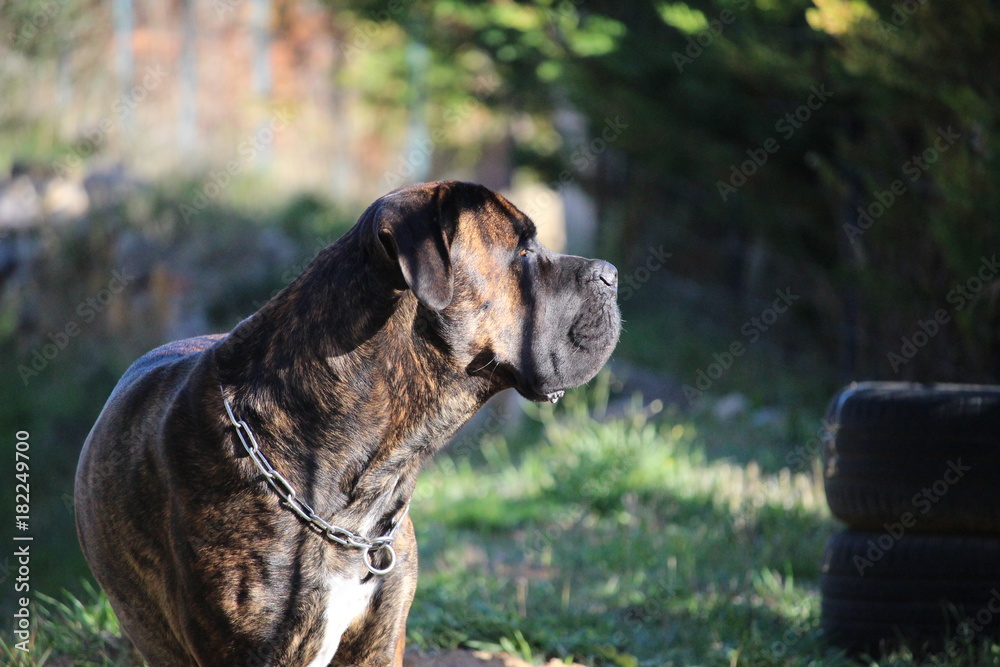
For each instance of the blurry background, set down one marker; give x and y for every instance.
(796, 193)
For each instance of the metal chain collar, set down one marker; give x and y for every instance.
(336, 534)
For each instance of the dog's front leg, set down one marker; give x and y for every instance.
(378, 638)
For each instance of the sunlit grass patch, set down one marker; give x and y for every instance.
(616, 541)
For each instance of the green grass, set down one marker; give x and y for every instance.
(621, 542)
(71, 631)
(617, 543)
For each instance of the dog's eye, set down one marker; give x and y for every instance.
(524, 252)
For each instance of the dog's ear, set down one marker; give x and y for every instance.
(415, 227)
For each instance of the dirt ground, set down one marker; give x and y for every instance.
(459, 658)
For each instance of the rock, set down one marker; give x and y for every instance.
(64, 200)
(20, 204)
(460, 658)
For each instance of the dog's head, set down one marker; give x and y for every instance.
(501, 306)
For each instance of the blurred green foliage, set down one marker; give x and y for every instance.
(703, 86)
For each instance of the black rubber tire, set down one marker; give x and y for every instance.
(929, 590)
(928, 455)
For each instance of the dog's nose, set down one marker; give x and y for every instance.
(605, 272)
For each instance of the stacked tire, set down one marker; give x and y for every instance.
(914, 473)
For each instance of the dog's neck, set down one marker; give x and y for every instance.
(302, 350)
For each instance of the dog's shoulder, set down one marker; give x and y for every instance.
(167, 355)
(156, 376)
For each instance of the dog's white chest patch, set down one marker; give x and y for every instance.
(346, 599)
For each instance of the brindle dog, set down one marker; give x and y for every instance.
(438, 298)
